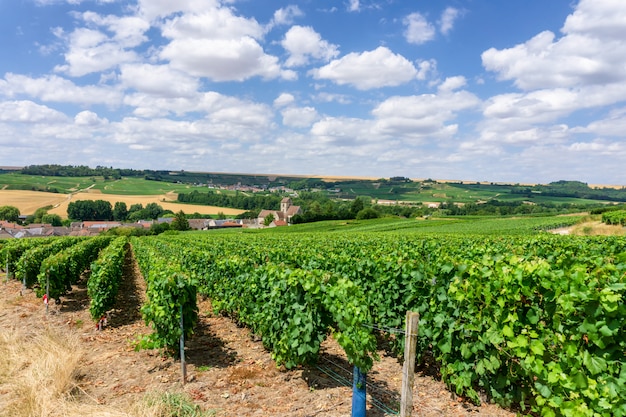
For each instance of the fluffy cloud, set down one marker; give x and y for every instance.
(299, 116)
(591, 51)
(285, 16)
(89, 118)
(24, 111)
(284, 99)
(159, 80)
(367, 70)
(220, 46)
(418, 29)
(53, 88)
(303, 42)
(448, 17)
(422, 116)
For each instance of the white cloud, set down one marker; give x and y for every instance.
(422, 116)
(303, 42)
(159, 80)
(367, 70)
(220, 46)
(613, 125)
(92, 51)
(211, 105)
(418, 29)
(57, 89)
(448, 17)
(286, 15)
(284, 99)
(591, 51)
(299, 116)
(25, 111)
(89, 118)
(128, 31)
(426, 69)
(453, 83)
(354, 6)
(223, 59)
(153, 9)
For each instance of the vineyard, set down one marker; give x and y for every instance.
(533, 322)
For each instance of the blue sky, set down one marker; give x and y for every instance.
(513, 91)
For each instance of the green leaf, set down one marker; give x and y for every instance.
(595, 364)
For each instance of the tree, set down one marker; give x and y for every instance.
(87, 210)
(268, 220)
(120, 212)
(356, 206)
(53, 219)
(9, 213)
(154, 211)
(367, 213)
(180, 222)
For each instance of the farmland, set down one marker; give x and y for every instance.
(512, 300)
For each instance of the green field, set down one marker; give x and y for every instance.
(66, 185)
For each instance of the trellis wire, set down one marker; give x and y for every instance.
(346, 381)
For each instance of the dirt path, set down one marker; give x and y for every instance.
(229, 371)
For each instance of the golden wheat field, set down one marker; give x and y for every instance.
(29, 201)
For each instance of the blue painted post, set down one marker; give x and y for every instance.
(358, 393)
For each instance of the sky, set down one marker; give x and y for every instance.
(530, 91)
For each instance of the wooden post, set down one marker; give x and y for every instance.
(183, 365)
(47, 290)
(408, 369)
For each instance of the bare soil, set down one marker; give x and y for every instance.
(228, 370)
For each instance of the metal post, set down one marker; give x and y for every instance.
(7, 268)
(183, 365)
(359, 395)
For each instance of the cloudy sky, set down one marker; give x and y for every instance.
(517, 91)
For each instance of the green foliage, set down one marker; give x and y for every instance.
(367, 213)
(29, 263)
(88, 210)
(9, 213)
(292, 309)
(120, 211)
(53, 219)
(268, 219)
(532, 321)
(60, 270)
(617, 217)
(169, 292)
(105, 278)
(180, 222)
(13, 250)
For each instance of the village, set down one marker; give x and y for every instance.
(266, 218)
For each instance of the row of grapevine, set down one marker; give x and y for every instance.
(29, 263)
(105, 278)
(536, 321)
(170, 292)
(617, 217)
(12, 251)
(59, 271)
(292, 310)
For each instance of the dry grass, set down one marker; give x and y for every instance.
(39, 371)
(29, 201)
(39, 377)
(597, 228)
